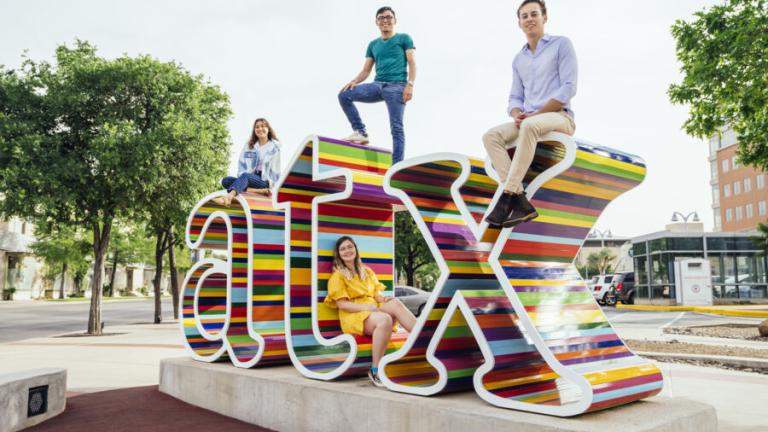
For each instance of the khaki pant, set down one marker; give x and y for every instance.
(498, 139)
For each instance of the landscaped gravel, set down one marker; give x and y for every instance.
(731, 331)
(689, 348)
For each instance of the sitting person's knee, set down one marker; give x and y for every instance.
(527, 127)
(491, 139)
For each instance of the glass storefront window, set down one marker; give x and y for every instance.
(716, 266)
(685, 244)
(760, 269)
(641, 269)
(661, 292)
(638, 249)
(745, 268)
(659, 269)
(657, 245)
(641, 291)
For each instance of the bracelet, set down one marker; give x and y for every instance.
(410, 83)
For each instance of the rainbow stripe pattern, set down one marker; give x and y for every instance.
(333, 188)
(509, 317)
(234, 308)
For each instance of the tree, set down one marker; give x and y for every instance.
(724, 57)
(411, 250)
(190, 118)
(129, 245)
(86, 140)
(600, 262)
(63, 252)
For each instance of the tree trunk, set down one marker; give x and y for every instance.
(78, 283)
(174, 273)
(159, 252)
(63, 279)
(100, 245)
(112, 277)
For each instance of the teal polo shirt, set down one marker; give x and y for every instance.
(389, 56)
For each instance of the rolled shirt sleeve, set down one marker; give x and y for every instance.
(516, 95)
(568, 71)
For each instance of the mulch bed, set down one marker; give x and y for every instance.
(138, 409)
(731, 331)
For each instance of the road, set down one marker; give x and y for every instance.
(21, 320)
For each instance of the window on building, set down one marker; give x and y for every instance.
(714, 144)
(761, 208)
(739, 213)
(728, 215)
(718, 221)
(748, 209)
(729, 138)
(713, 170)
(736, 187)
(724, 166)
(715, 196)
(760, 180)
(747, 184)
(734, 163)
(726, 190)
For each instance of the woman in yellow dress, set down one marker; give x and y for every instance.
(356, 291)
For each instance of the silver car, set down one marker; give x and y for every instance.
(413, 298)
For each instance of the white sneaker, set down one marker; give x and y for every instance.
(357, 138)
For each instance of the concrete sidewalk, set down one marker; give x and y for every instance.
(132, 358)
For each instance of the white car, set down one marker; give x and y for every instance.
(600, 286)
(413, 298)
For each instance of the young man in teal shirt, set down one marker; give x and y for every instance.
(393, 55)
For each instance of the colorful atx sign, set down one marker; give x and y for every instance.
(509, 316)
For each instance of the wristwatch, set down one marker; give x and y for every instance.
(410, 83)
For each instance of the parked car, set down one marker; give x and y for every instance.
(623, 287)
(413, 298)
(600, 286)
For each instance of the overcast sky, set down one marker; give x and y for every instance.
(286, 60)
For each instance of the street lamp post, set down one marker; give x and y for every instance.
(692, 215)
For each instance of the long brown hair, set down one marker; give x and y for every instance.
(338, 263)
(271, 135)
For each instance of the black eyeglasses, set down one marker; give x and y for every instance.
(385, 18)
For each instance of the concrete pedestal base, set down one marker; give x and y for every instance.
(15, 403)
(280, 398)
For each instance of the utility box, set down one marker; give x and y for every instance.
(693, 282)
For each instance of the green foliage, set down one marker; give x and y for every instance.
(426, 276)
(724, 57)
(598, 263)
(761, 241)
(411, 250)
(87, 140)
(67, 246)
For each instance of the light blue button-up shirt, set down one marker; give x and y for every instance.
(548, 73)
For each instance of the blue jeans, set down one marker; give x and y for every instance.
(389, 92)
(244, 181)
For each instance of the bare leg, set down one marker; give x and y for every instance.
(230, 196)
(397, 310)
(378, 325)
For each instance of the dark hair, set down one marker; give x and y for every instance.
(338, 263)
(525, 2)
(271, 135)
(384, 9)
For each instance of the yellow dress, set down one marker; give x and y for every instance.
(357, 291)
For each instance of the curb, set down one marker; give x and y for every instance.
(746, 362)
(700, 309)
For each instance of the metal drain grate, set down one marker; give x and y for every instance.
(38, 401)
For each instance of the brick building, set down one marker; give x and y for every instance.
(739, 193)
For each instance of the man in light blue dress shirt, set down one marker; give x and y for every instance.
(544, 76)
